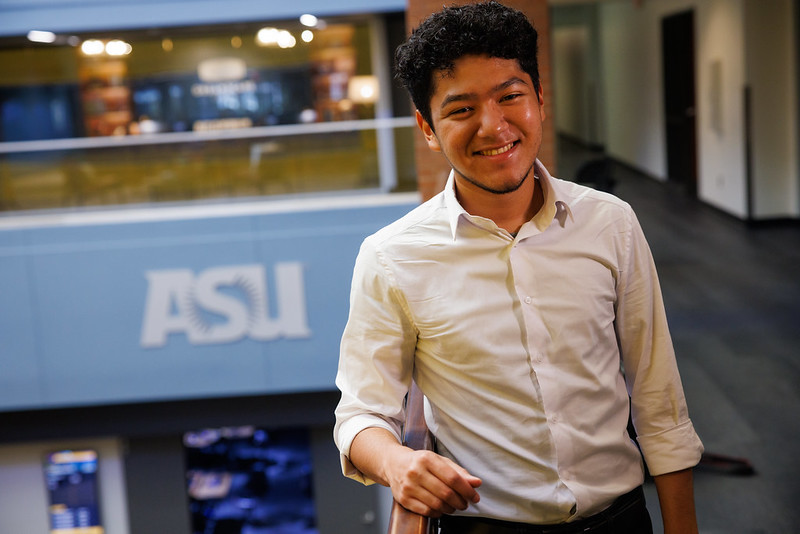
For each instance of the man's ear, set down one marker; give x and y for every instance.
(427, 131)
(541, 103)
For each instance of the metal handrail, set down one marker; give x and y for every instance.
(416, 436)
(282, 130)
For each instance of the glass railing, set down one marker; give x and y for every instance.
(374, 154)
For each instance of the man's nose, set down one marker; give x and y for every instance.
(492, 120)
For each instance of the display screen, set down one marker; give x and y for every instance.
(250, 480)
(71, 477)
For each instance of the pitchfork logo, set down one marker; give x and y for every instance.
(224, 305)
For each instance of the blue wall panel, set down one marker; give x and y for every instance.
(17, 17)
(203, 307)
(19, 366)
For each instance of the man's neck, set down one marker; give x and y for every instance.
(508, 211)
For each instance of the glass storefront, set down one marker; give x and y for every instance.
(249, 480)
(202, 113)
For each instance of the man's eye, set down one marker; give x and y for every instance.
(458, 111)
(512, 96)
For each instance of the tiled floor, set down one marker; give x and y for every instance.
(732, 293)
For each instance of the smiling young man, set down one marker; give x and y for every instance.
(514, 300)
(488, 116)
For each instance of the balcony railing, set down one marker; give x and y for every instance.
(373, 154)
(416, 436)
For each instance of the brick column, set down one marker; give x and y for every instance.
(432, 168)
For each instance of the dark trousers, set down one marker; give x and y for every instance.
(628, 515)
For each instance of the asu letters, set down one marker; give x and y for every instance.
(224, 305)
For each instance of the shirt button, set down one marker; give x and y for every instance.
(528, 300)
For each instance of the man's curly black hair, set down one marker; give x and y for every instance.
(486, 28)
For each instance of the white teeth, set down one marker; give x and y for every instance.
(496, 151)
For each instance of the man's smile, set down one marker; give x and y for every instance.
(497, 151)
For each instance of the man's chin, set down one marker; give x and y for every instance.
(501, 188)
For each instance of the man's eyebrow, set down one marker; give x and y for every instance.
(449, 99)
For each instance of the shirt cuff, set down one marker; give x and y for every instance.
(348, 431)
(671, 450)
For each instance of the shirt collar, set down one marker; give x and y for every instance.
(554, 207)
(454, 208)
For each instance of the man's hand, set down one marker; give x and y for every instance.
(421, 481)
(429, 484)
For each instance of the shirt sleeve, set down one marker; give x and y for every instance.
(376, 356)
(658, 406)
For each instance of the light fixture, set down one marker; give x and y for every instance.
(267, 36)
(38, 36)
(275, 37)
(115, 47)
(93, 47)
(307, 36)
(286, 39)
(363, 89)
(308, 20)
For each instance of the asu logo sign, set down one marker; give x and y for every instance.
(224, 305)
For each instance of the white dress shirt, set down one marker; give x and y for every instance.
(517, 343)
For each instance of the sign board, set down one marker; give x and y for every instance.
(167, 304)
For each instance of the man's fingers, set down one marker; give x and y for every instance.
(450, 483)
(429, 484)
(432, 485)
(420, 494)
(465, 483)
(474, 483)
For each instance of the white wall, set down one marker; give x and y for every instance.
(720, 105)
(771, 74)
(570, 92)
(737, 42)
(23, 506)
(577, 70)
(631, 56)
(631, 48)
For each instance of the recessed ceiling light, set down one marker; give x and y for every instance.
(308, 20)
(38, 36)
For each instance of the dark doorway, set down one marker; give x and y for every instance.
(677, 37)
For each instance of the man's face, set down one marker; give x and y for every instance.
(487, 117)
